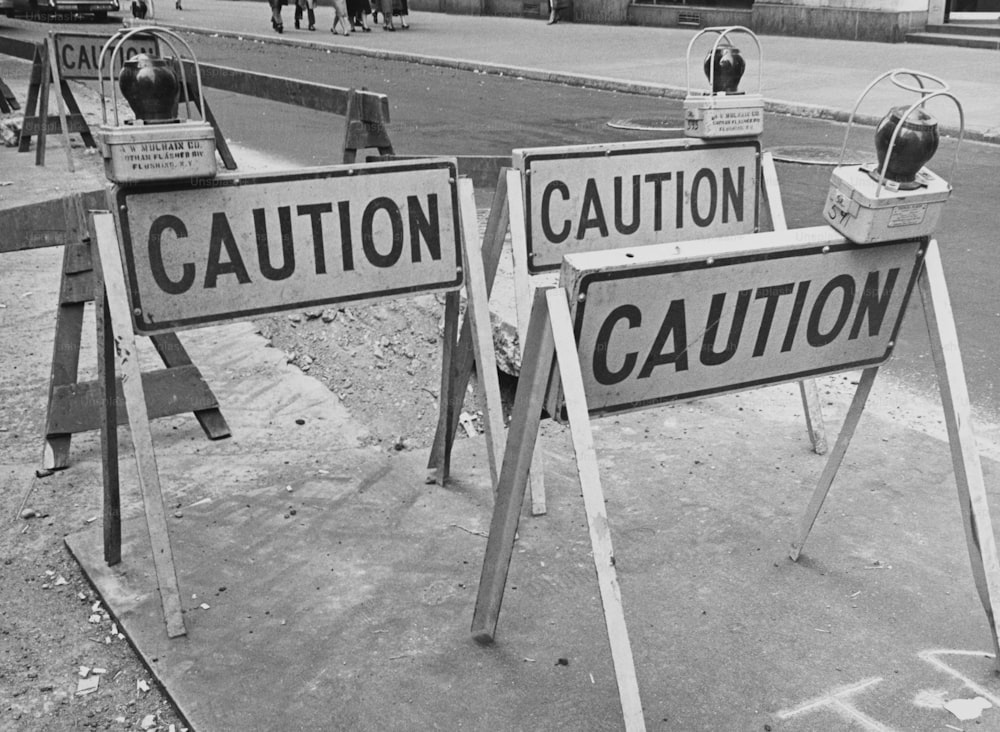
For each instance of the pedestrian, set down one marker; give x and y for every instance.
(309, 6)
(359, 10)
(341, 17)
(276, 21)
(553, 12)
(178, 5)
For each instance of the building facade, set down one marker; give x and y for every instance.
(862, 20)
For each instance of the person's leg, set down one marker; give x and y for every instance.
(276, 21)
(553, 13)
(311, 13)
(404, 13)
(298, 16)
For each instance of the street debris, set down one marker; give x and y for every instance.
(148, 722)
(141, 685)
(966, 709)
(88, 685)
(476, 532)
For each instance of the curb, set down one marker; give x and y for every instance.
(776, 106)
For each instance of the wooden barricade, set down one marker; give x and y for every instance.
(74, 406)
(616, 195)
(179, 387)
(619, 345)
(404, 228)
(8, 102)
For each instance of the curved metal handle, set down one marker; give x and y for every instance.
(893, 75)
(723, 31)
(123, 35)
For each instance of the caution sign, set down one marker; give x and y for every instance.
(79, 54)
(238, 246)
(595, 197)
(657, 327)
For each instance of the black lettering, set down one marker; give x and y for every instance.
(813, 336)
(287, 268)
(732, 194)
(368, 232)
(679, 220)
(674, 324)
(563, 234)
(591, 212)
(873, 304)
(155, 244)
(315, 212)
(620, 226)
(793, 320)
(657, 180)
(604, 375)
(771, 295)
(222, 236)
(423, 227)
(346, 243)
(713, 194)
(709, 357)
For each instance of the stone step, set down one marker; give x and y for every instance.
(956, 39)
(965, 29)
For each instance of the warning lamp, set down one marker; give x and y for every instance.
(895, 197)
(723, 110)
(158, 144)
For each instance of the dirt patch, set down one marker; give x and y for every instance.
(382, 360)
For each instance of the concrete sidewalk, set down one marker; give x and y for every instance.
(802, 76)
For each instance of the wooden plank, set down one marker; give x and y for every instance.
(522, 303)
(57, 82)
(597, 517)
(34, 86)
(477, 305)
(42, 223)
(53, 126)
(77, 288)
(321, 97)
(197, 398)
(142, 439)
(496, 229)
(513, 481)
(107, 413)
(808, 390)
(836, 457)
(972, 499)
(169, 392)
(448, 413)
(43, 104)
(74, 111)
(68, 331)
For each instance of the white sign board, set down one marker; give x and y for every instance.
(79, 54)
(657, 325)
(595, 197)
(242, 245)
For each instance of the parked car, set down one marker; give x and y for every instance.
(38, 8)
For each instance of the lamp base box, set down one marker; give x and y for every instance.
(144, 153)
(864, 214)
(723, 115)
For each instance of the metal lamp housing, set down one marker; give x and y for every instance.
(157, 145)
(722, 110)
(896, 197)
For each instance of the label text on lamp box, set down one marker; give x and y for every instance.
(595, 197)
(683, 328)
(240, 246)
